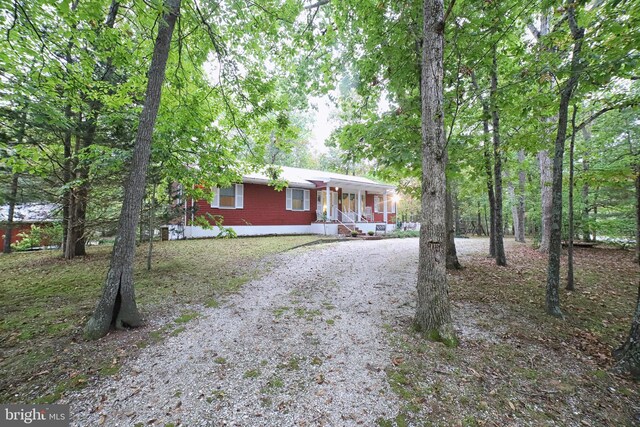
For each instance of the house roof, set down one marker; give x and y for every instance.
(310, 178)
(31, 212)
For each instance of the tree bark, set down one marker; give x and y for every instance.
(628, 355)
(570, 281)
(152, 213)
(546, 172)
(117, 304)
(520, 208)
(13, 190)
(586, 209)
(638, 213)
(501, 258)
(433, 311)
(555, 242)
(546, 179)
(511, 191)
(13, 196)
(452, 256)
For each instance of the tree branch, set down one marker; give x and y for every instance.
(448, 12)
(317, 4)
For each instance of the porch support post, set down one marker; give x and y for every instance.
(359, 203)
(385, 207)
(328, 199)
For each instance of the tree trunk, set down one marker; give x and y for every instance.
(570, 282)
(595, 216)
(117, 304)
(546, 172)
(520, 208)
(486, 113)
(511, 191)
(456, 213)
(13, 196)
(638, 214)
(501, 258)
(151, 226)
(73, 196)
(628, 355)
(586, 209)
(452, 256)
(433, 310)
(546, 178)
(555, 242)
(13, 190)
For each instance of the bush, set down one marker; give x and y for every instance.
(354, 234)
(370, 233)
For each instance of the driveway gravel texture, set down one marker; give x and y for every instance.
(307, 344)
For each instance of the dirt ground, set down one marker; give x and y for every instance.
(325, 339)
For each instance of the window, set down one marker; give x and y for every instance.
(378, 204)
(298, 200)
(228, 197)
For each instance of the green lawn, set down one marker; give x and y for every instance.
(46, 301)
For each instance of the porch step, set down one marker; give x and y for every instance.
(345, 231)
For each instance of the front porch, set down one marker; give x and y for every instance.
(344, 206)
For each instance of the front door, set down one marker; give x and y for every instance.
(322, 204)
(350, 206)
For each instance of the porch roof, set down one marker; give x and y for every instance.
(309, 178)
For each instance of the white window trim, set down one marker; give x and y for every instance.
(239, 198)
(306, 200)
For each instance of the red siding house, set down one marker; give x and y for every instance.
(26, 215)
(252, 207)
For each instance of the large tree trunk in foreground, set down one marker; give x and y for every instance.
(628, 355)
(555, 243)
(501, 258)
(433, 311)
(452, 255)
(13, 195)
(117, 304)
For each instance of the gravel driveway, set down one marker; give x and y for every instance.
(305, 345)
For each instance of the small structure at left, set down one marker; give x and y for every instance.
(28, 215)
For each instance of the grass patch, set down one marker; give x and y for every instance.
(305, 313)
(251, 373)
(293, 364)
(220, 360)
(186, 317)
(46, 300)
(280, 311)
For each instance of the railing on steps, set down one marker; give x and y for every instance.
(351, 230)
